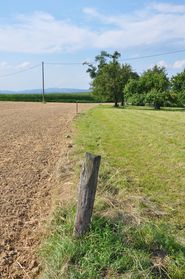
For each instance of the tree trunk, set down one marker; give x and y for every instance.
(116, 104)
(122, 101)
(115, 101)
(87, 191)
(157, 106)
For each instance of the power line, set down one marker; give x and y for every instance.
(64, 63)
(21, 71)
(126, 59)
(81, 63)
(154, 55)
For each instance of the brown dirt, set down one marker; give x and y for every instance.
(32, 138)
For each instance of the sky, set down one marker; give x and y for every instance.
(58, 31)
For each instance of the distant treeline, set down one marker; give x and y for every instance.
(53, 97)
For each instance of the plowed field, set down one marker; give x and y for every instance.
(32, 139)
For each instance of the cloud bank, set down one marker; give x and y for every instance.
(157, 24)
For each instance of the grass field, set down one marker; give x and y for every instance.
(54, 97)
(138, 228)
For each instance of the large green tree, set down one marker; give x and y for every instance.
(109, 77)
(178, 87)
(105, 77)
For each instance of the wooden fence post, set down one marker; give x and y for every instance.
(86, 195)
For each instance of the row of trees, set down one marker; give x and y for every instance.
(113, 81)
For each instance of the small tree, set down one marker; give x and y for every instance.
(152, 87)
(155, 78)
(155, 98)
(178, 82)
(134, 92)
(127, 74)
(181, 98)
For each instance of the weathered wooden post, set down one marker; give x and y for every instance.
(86, 195)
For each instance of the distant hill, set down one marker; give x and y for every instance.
(47, 90)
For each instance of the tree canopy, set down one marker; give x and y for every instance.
(117, 82)
(109, 77)
(151, 88)
(178, 87)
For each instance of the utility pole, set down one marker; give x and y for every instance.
(43, 84)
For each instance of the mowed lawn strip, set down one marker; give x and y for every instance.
(148, 149)
(138, 226)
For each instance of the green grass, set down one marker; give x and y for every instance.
(54, 97)
(138, 227)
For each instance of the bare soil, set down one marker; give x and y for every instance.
(32, 138)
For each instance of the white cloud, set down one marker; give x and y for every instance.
(179, 64)
(42, 33)
(4, 65)
(168, 8)
(156, 24)
(163, 63)
(91, 12)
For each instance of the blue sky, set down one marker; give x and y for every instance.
(76, 31)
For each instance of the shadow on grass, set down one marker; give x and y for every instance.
(169, 109)
(173, 109)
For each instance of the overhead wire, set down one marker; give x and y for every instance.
(126, 59)
(21, 71)
(63, 63)
(82, 63)
(154, 55)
